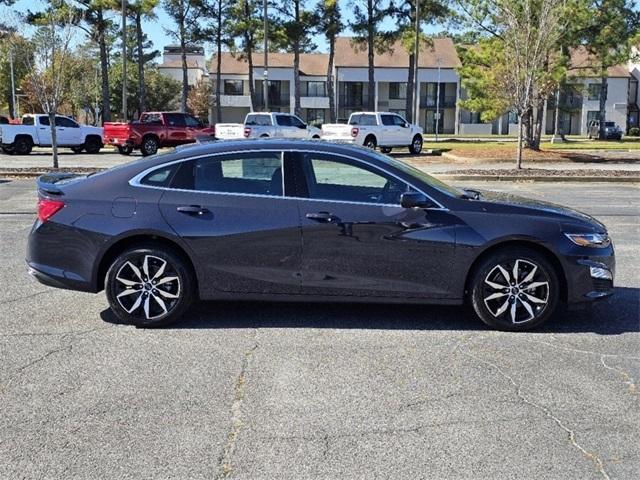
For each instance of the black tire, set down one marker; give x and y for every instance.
(77, 149)
(535, 296)
(370, 142)
(92, 145)
(125, 149)
(416, 145)
(144, 309)
(264, 135)
(316, 137)
(149, 146)
(8, 149)
(386, 149)
(22, 146)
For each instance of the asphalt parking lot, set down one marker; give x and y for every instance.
(260, 390)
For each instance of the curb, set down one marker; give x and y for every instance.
(550, 178)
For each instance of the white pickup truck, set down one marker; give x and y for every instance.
(376, 129)
(36, 130)
(263, 125)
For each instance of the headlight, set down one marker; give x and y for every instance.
(591, 240)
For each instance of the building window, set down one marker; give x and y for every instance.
(474, 117)
(315, 89)
(397, 91)
(233, 87)
(315, 116)
(594, 91)
(592, 115)
(513, 117)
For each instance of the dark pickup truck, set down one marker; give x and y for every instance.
(155, 130)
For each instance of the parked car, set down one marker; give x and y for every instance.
(280, 125)
(376, 129)
(309, 221)
(611, 130)
(35, 130)
(155, 130)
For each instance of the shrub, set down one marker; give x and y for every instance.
(634, 132)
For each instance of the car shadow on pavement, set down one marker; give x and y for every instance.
(612, 316)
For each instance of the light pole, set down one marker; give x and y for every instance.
(416, 81)
(14, 113)
(265, 81)
(124, 60)
(438, 98)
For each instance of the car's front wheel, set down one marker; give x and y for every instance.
(416, 145)
(149, 286)
(515, 289)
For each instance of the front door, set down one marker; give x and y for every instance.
(68, 132)
(359, 241)
(232, 212)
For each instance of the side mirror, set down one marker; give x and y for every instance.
(406, 125)
(415, 200)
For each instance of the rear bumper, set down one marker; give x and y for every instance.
(57, 278)
(119, 142)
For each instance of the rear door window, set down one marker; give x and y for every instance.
(255, 173)
(387, 120)
(175, 120)
(44, 120)
(283, 120)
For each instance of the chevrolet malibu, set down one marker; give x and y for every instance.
(298, 220)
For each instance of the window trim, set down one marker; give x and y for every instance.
(135, 181)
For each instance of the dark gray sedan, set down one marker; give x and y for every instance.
(309, 221)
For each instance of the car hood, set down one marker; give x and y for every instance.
(517, 204)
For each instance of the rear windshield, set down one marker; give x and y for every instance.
(362, 119)
(258, 120)
(609, 124)
(27, 120)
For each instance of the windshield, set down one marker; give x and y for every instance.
(420, 175)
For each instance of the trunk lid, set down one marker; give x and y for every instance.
(336, 130)
(116, 133)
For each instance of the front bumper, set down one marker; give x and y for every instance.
(590, 278)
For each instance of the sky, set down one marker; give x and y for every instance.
(155, 30)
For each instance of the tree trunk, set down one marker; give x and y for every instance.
(252, 90)
(408, 106)
(142, 93)
(296, 63)
(603, 102)
(11, 107)
(556, 120)
(537, 128)
(54, 138)
(330, 91)
(218, 62)
(520, 134)
(104, 67)
(371, 101)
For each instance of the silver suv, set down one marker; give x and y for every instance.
(611, 130)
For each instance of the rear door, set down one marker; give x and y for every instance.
(232, 212)
(359, 241)
(176, 126)
(44, 130)
(284, 127)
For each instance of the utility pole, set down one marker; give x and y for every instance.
(416, 80)
(124, 60)
(438, 99)
(265, 81)
(14, 113)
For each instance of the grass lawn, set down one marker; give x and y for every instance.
(461, 145)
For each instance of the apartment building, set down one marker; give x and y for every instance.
(439, 89)
(171, 65)
(439, 83)
(236, 100)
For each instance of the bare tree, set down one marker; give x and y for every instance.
(52, 52)
(528, 33)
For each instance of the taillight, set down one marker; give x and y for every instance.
(354, 132)
(247, 132)
(48, 208)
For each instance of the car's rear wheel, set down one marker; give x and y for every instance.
(370, 142)
(77, 149)
(385, 149)
(92, 145)
(515, 289)
(125, 149)
(149, 286)
(149, 146)
(416, 145)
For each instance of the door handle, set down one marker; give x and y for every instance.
(322, 217)
(193, 210)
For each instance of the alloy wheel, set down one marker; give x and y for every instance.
(517, 292)
(147, 287)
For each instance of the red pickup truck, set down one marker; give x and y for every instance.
(155, 130)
